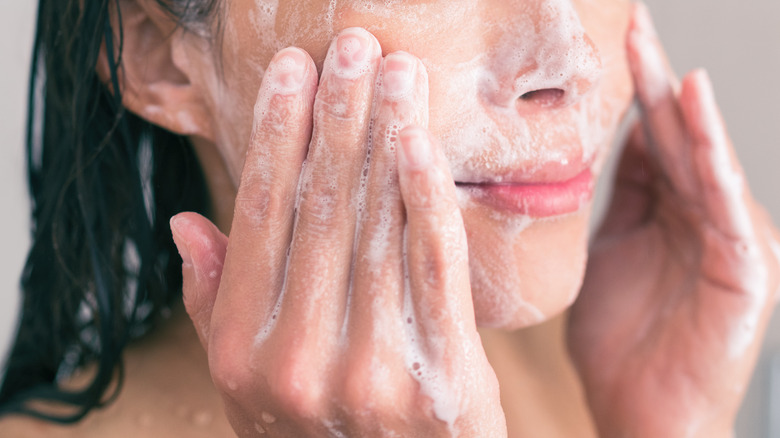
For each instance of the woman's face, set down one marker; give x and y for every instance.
(526, 93)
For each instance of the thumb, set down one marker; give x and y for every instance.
(202, 248)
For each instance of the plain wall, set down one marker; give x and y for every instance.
(738, 42)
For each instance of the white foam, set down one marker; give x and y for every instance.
(544, 46)
(423, 366)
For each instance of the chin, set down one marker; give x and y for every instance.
(525, 272)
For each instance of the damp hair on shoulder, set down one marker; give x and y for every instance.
(102, 268)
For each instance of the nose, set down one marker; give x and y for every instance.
(543, 60)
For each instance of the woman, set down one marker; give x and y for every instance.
(410, 171)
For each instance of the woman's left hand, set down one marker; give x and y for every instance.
(683, 275)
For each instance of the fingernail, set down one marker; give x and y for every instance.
(415, 149)
(353, 53)
(184, 250)
(398, 74)
(288, 71)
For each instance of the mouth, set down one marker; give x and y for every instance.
(538, 199)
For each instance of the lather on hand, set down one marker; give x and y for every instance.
(683, 275)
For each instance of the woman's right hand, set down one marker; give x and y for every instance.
(344, 306)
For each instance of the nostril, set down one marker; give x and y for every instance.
(545, 97)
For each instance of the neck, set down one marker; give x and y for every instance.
(540, 390)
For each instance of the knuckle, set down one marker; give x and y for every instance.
(298, 387)
(278, 116)
(257, 206)
(370, 386)
(323, 204)
(342, 101)
(229, 366)
(252, 211)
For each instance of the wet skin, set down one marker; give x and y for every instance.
(375, 290)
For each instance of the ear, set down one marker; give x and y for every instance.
(155, 74)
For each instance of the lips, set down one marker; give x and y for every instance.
(534, 198)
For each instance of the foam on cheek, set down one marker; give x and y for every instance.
(263, 18)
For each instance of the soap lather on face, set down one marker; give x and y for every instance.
(521, 91)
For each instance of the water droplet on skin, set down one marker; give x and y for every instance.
(145, 420)
(259, 428)
(202, 418)
(268, 418)
(233, 386)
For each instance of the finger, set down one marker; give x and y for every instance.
(733, 257)
(377, 299)
(318, 273)
(202, 248)
(376, 326)
(656, 87)
(436, 249)
(263, 215)
(724, 189)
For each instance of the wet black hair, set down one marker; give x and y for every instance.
(102, 269)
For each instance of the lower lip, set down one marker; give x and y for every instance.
(536, 200)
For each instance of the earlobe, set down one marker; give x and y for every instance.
(154, 85)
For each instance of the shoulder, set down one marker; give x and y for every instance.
(18, 426)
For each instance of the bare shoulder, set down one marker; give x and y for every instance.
(166, 392)
(18, 426)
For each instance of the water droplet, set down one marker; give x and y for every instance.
(416, 366)
(202, 418)
(233, 386)
(268, 418)
(259, 428)
(145, 420)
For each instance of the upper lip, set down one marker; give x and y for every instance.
(546, 173)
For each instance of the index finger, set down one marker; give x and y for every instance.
(263, 215)
(657, 89)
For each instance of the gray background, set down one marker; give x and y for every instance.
(738, 42)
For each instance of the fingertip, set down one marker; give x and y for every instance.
(642, 20)
(197, 238)
(287, 71)
(701, 112)
(290, 76)
(179, 230)
(654, 79)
